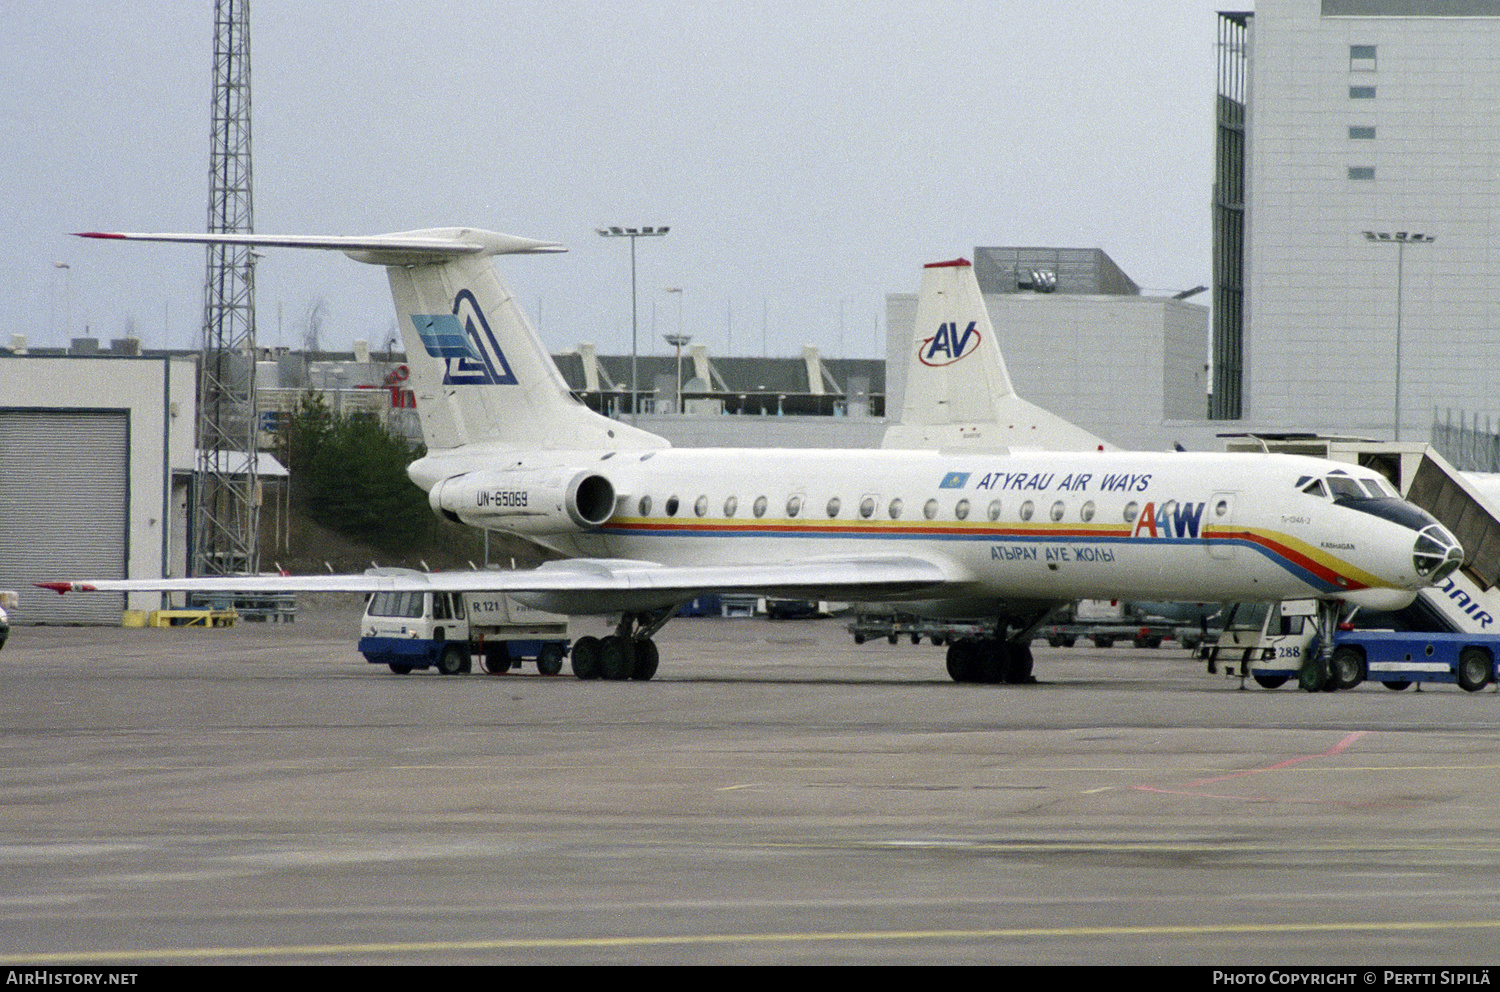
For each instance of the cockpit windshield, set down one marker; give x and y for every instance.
(1344, 488)
(1367, 494)
(1340, 486)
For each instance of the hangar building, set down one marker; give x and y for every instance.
(98, 458)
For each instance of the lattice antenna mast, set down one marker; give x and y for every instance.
(227, 517)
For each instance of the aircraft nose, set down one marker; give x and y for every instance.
(1437, 554)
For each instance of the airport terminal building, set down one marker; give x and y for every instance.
(1355, 206)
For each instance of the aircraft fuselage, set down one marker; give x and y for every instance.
(1031, 526)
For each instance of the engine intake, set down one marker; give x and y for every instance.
(526, 501)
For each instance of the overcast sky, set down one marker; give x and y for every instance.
(809, 156)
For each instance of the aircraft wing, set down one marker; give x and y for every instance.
(596, 585)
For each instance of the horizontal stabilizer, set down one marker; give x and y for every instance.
(406, 248)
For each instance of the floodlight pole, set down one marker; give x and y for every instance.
(1400, 239)
(677, 341)
(632, 233)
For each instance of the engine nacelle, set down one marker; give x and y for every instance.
(526, 501)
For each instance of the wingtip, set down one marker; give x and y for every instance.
(99, 234)
(57, 587)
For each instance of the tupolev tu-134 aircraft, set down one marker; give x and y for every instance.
(962, 514)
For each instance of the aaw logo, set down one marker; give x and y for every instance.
(947, 345)
(465, 343)
(1170, 520)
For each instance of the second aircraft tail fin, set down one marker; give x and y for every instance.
(958, 391)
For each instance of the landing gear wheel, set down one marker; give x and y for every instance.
(400, 669)
(1018, 664)
(586, 657)
(452, 660)
(646, 660)
(1347, 669)
(1270, 681)
(1475, 669)
(1313, 675)
(962, 662)
(549, 659)
(1396, 685)
(616, 657)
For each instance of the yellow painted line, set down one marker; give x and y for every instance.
(685, 940)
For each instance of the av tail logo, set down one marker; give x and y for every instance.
(466, 344)
(947, 345)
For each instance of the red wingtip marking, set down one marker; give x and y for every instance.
(57, 587)
(954, 264)
(99, 234)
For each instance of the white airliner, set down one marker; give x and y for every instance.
(1002, 532)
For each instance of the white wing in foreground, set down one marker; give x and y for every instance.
(592, 585)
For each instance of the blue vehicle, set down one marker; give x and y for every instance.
(448, 630)
(1276, 645)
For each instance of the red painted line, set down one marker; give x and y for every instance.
(1341, 746)
(1336, 749)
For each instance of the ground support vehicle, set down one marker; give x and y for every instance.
(894, 626)
(7, 599)
(446, 631)
(1106, 622)
(1275, 645)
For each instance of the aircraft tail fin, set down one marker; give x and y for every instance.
(958, 390)
(479, 372)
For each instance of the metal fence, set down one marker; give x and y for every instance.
(1467, 445)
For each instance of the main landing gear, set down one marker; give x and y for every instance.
(990, 660)
(628, 653)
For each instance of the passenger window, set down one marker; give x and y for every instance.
(930, 509)
(961, 510)
(833, 507)
(867, 507)
(671, 506)
(995, 510)
(730, 505)
(760, 506)
(1132, 510)
(644, 506)
(701, 507)
(793, 505)
(1086, 511)
(895, 509)
(1027, 509)
(1058, 510)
